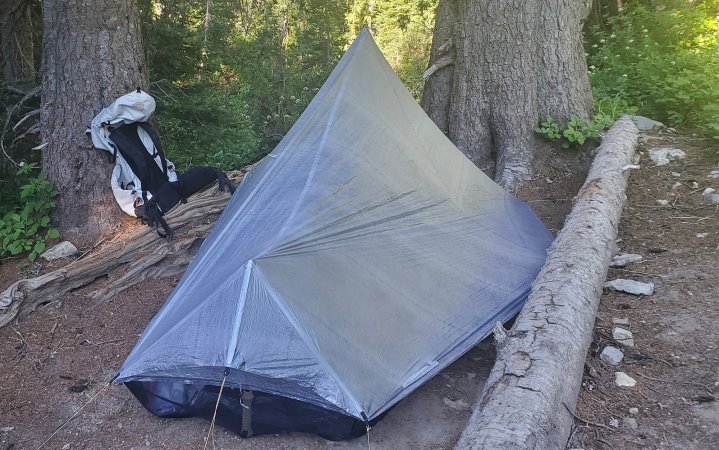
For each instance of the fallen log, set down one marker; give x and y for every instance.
(147, 254)
(532, 390)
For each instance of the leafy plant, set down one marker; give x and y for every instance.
(26, 226)
(662, 57)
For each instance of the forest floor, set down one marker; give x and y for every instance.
(62, 356)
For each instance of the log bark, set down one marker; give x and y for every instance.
(148, 255)
(528, 400)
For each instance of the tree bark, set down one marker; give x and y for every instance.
(92, 53)
(528, 400)
(515, 61)
(17, 37)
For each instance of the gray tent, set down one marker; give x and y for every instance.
(357, 260)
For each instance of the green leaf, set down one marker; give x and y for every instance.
(39, 247)
(52, 233)
(32, 256)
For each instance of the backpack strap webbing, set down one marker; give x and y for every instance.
(156, 141)
(246, 402)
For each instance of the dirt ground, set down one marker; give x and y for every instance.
(60, 358)
(675, 360)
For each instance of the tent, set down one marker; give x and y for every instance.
(356, 261)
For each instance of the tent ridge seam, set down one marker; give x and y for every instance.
(232, 348)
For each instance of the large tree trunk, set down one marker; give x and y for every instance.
(92, 53)
(529, 397)
(514, 61)
(18, 56)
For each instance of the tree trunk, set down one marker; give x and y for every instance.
(17, 40)
(530, 394)
(92, 53)
(514, 62)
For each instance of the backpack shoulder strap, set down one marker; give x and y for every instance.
(156, 141)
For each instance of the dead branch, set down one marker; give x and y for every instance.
(147, 255)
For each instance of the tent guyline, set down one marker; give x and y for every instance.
(361, 257)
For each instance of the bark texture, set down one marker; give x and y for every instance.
(514, 62)
(534, 384)
(92, 53)
(18, 56)
(147, 255)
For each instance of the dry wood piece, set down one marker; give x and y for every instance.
(148, 255)
(540, 360)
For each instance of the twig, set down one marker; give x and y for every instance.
(94, 246)
(639, 273)
(600, 425)
(686, 383)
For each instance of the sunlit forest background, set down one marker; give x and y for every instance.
(232, 76)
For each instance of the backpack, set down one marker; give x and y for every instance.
(144, 182)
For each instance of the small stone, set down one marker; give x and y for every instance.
(695, 185)
(646, 124)
(712, 199)
(662, 156)
(713, 174)
(7, 429)
(613, 422)
(66, 447)
(630, 286)
(61, 250)
(708, 191)
(621, 379)
(633, 411)
(459, 405)
(702, 235)
(625, 259)
(676, 185)
(663, 202)
(630, 422)
(623, 336)
(676, 174)
(611, 355)
(622, 321)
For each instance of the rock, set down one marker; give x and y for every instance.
(61, 250)
(695, 185)
(646, 124)
(702, 235)
(630, 422)
(459, 405)
(633, 411)
(621, 379)
(623, 336)
(676, 185)
(613, 422)
(662, 156)
(713, 174)
(623, 321)
(663, 202)
(66, 447)
(630, 286)
(6, 429)
(611, 355)
(708, 191)
(712, 199)
(676, 174)
(625, 259)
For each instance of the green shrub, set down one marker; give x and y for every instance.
(664, 60)
(26, 226)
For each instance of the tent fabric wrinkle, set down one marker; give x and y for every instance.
(360, 258)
